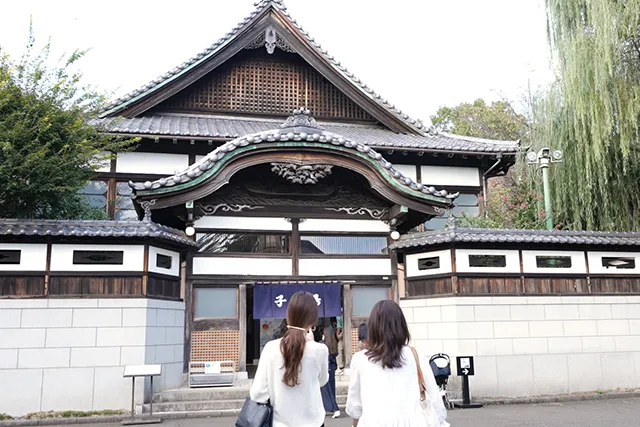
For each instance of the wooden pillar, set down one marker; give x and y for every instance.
(242, 317)
(145, 272)
(188, 311)
(47, 273)
(347, 330)
(454, 275)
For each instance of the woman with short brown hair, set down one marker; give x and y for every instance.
(293, 369)
(384, 385)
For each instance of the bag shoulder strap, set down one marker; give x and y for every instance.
(421, 383)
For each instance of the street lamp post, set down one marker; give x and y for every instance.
(543, 159)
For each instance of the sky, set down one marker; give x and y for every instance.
(418, 54)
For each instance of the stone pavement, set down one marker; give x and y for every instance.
(598, 413)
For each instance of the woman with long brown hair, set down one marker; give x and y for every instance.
(293, 369)
(385, 388)
(329, 390)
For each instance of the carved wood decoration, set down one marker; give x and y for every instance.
(257, 82)
(258, 190)
(301, 174)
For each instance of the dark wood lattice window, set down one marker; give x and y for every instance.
(553, 261)
(10, 256)
(430, 263)
(487, 261)
(259, 83)
(163, 261)
(98, 257)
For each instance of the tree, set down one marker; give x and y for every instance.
(48, 148)
(592, 113)
(495, 121)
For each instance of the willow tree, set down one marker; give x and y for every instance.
(592, 113)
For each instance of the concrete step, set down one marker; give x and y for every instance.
(215, 394)
(215, 407)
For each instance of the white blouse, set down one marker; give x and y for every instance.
(299, 406)
(381, 397)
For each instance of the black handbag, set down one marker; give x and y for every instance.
(254, 414)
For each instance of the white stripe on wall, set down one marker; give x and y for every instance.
(32, 257)
(62, 258)
(444, 259)
(153, 260)
(151, 163)
(512, 259)
(242, 223)
(345, 266)
(344, 225)
(450, 175)
(242, 266)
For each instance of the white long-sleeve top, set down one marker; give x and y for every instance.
(298, 406)
(381, 397)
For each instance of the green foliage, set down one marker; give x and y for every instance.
(495, 121)
(592, 113)
(510, 205)
(48, 148)
(4, 417)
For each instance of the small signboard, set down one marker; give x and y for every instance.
(212, 368)
(465, 366)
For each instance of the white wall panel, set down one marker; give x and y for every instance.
(410, 171)
(344, 225)
(345, 266)
(152, 163)
(578, 265)
(32, 257)
(242, 266)
(242, 223)
(596, 267)
(450, 175)
(175, 261)
(411, 261)
(512, 261)
(62, 258)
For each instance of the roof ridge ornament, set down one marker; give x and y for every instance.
(301, 118)
(451, 222)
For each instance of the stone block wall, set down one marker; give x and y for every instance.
(526, 345)
(69, 354)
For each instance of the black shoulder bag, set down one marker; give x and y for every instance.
(254, 414)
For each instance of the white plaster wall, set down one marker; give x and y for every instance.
(512, 261)
(242, 223)
(69, 354)
(450, 175)
(412, 263)
(62, 258)
(527, 346)
(33, 257)
(175, 261)
(345, 266)
(343, 225)
(578, 262)
(595, 262)
(243, 266)
(151, 163)
(410, 171)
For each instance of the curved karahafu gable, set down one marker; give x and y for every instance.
(300, 133)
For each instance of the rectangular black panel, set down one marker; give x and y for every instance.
(430, 263)
(10, 256)
(163, 261)
(98, 257)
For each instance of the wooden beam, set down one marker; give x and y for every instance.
(347, 327)
(242, 317)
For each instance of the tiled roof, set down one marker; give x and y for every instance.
(340, 69)
(486, 235)
(77, 228)
(206, 126)
(299, 127)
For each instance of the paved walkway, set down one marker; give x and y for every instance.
(599, 413)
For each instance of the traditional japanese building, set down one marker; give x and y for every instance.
(288, 169)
